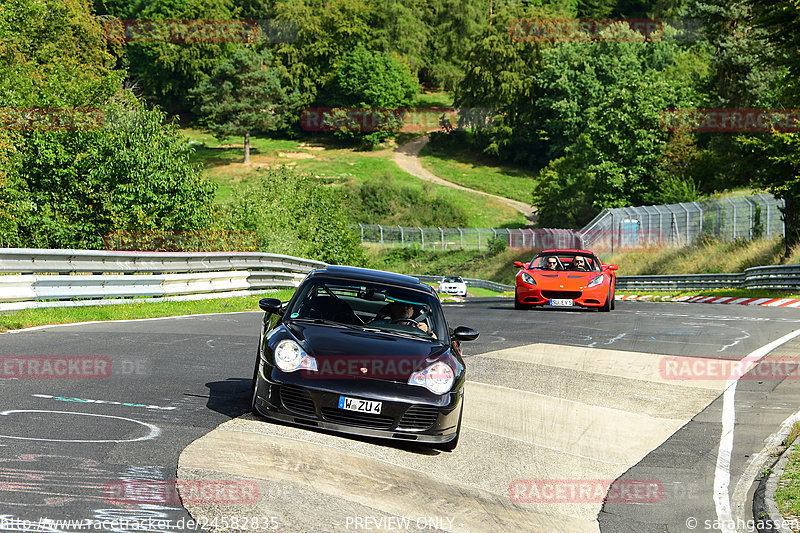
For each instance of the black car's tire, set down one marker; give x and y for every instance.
(451, 445)
(608, 306)
(254, 387)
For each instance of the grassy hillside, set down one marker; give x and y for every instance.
(451, 159)
(346, 166)
(705, 257)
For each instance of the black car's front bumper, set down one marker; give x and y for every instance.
(408, 412)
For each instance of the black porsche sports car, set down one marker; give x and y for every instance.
(364, 352)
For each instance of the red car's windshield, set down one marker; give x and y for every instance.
(566, 261)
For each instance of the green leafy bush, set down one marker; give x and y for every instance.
(496, 245)
(133, 173)
(296, 214)
(383, 201)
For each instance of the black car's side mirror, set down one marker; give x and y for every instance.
(463, 333)
(271, 305)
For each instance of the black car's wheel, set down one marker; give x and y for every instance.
(608, 306)
(255, 386)
(451, 445)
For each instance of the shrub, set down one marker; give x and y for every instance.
(296, 214)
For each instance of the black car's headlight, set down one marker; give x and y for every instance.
(596, 281)
(289, 356)
(437, 378)
(527, 278)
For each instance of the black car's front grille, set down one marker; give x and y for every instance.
(419, 417)
(562, 295)
(298, 400)
(353, 418)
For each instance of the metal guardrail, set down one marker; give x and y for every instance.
(116, 277)
(32, 260)
(779, 277)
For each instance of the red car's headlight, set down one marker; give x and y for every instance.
(596, 281)
(527, 278)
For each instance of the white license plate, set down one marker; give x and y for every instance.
(555, 302)
(362, 406)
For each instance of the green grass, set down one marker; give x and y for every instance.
(704, 257)
(787, 496)
(434, 99)
(468, 264)
(480, 292)
(26, 318)
(322, 157)
(464, 167)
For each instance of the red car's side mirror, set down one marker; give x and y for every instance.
(518, 264)
(610, 267)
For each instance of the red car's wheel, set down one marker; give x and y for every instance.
(608, 306)
(517, 304)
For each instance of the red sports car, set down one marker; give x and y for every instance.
(565, 278)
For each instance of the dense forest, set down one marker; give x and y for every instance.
(92, 101)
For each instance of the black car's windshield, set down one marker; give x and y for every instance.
(369, 305)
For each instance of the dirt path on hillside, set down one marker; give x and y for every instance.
(407, 158)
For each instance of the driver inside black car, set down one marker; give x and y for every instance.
(401, 313)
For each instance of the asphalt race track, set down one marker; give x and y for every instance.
(574, 421)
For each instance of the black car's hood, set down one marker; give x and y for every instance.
(330, 340)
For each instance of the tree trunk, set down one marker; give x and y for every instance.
(790, 221)
(247, 148)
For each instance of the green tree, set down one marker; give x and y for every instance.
(242, 95)
(370, 80)
(326, 29)
(778, 154)
(454, 26)
(133, 173)
(167, 71)
(53, 53)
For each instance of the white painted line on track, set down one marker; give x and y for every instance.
(722, 473)
(154, 430)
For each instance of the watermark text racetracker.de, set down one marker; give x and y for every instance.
(363, 119)
(181, 492)
(51, 118)
(198, 31)
(687, 369)
(71, 367)
(586, 491)
(738, 120)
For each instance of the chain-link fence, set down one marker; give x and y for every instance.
(465, 238)
(743, 217)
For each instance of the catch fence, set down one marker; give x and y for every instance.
(743, 217)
